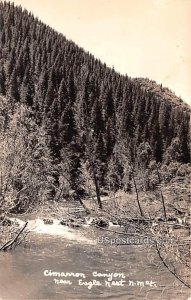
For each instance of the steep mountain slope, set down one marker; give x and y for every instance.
(91, 113)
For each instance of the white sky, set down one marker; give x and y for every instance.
(140, 38)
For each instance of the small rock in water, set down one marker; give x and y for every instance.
(101, 222)
(5, 221)
(82, 220)
(63, 222)
(114, 222)
(70, 223)
(75, 225)
(48, 221)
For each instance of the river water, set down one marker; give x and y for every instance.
(22, 271)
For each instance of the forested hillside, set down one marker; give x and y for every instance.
(72, 118)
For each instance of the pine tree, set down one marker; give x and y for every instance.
(12, 91)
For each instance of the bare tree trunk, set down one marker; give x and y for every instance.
(136, 190)
(163, 203)
(97, 189)
(92, 165)
(79, 199)
(1, 184)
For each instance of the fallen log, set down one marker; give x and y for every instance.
(173, 272)
(121, 232)
(9, 244)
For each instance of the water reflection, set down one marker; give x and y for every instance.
(21, 271)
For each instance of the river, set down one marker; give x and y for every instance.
(22, 271)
